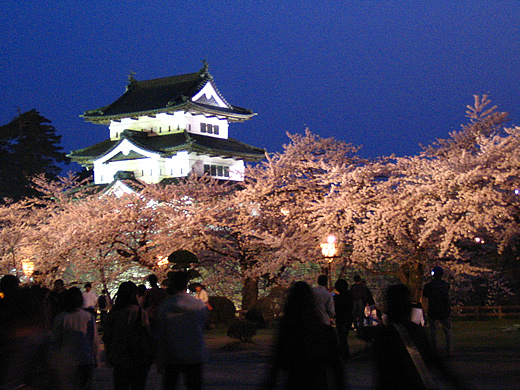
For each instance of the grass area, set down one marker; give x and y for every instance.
(492, 333)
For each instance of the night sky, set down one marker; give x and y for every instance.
(385, 75)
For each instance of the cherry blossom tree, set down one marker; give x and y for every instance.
(403, 215)
(15, 220)
(90, 233)
(272, 230)
(399, 216)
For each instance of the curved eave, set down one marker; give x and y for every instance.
(229, 148)
(250, 157)
(235, 114)
(96, 151)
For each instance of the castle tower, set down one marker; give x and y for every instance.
(168, 128)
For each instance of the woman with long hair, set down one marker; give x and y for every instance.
(306, 349)
(126, 329)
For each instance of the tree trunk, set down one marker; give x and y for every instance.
(412, 275)
(249, 292)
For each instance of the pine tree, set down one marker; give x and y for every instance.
(29, 146)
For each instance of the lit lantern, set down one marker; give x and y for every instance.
(163, 260)
(27, 268)
(328, 250)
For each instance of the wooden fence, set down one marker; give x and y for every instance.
(486, 311)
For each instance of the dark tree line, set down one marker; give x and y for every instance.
(29, 146)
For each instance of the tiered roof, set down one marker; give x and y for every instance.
(164, 95)
(169, 144)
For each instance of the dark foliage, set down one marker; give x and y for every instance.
(256, 317)
(29, 146)
(271, 306)
(242, 330)
(223, 310)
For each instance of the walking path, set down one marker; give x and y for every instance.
(242, 366)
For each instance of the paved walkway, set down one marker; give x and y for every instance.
(242, 366)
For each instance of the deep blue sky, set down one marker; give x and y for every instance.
(387, 75)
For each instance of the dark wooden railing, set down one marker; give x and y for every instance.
(485, 311)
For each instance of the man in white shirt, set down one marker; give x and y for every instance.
(181, 320)
(324, 301)
(89, 299)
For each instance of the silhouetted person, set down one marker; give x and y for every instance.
(141, 291)
(75, 343)
(104, 305)
(9, 285)
(123, 325)
(358, 297)
(370, 305)
(56, 298)
(23, 336)
(437, 292)
(153, 298)
(343, 305)
(306, 349)
(403, 356)
(181, 320)
(324, 301)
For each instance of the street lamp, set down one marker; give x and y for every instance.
(163, 260)
(328, 250)
(27, 268)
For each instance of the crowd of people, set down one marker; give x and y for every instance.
(309, 353)
(51, 339)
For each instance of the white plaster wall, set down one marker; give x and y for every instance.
(146, 170)
(177, 166)
(236, 167)
(168, 124)
(162, 124)
(196, 120)
(237, 170)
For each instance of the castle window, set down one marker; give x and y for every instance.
(216, 170)
(209, 128)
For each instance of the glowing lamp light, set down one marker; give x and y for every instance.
(163, 260)
(328, 249)
(27, 268)
(479, 240)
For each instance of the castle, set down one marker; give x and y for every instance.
(168, 128)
